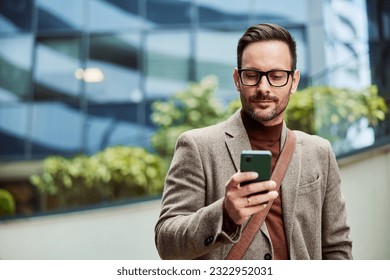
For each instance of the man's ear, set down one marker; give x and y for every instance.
(295, 81)
(236, 79)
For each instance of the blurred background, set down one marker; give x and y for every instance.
(93, 94)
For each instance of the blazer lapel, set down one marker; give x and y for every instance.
(236, 138)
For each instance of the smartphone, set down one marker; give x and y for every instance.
(258, 161)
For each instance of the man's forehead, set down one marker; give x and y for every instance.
(275, 54)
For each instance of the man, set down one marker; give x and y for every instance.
(204, 205)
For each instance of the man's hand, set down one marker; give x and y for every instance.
(242, 201)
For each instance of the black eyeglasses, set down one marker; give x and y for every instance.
(276, 78)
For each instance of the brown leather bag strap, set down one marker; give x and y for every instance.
(239, 249)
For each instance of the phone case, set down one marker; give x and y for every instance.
(258, 161)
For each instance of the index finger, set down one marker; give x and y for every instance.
(240, 177)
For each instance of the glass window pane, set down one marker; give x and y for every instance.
(227, 13)
(16, 16)
(57, 60)
(57, 129)
(13, 129)
(114, 67)
(122, 14)
(15, 67)
(162, 12)
(61, 15)
(302, 49)
(116, 124)
(346, 52)
(282, 11)
(216, 55)
(167, 58)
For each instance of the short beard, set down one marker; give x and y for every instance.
(259, 118)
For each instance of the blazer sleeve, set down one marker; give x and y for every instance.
(187, 227)
(335, 241)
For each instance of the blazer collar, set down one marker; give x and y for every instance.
(236, 138)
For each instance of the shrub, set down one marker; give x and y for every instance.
(115, 173)
(330, 112)
(194, 107)
(7, 203)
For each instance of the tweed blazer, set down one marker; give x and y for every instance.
(190, 222)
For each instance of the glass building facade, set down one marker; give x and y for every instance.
(379, 41)
(80, 75)
(77, 76)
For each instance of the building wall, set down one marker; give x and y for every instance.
(127, 232)
(366, 186)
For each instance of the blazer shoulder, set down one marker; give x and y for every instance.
(209, 133)
(312, 142)
(230, 127)
(205, 136)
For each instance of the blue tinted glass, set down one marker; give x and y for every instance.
(16, 16)
(114, 68)
(15, 67)
(216, 55)
(122, 124)
(161, 12)
(61, 15)
(13, 129)
(57, 60)
(122, 14)
(57, 129)
(224, 13)
(167, 62)
(282, 11)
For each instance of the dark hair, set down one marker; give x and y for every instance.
(267, 32)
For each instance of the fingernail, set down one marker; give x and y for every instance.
(272, 184)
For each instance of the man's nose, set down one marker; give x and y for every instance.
(263, 84)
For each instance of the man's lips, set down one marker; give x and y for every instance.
(263, 103)
(260, 100)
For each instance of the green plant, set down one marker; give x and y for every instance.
(115, 173)
(132, 171)
(330, 112)
(7, 203)
(194, 107)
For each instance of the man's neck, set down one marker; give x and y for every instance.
(261, 131)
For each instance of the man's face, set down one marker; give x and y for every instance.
(266, 103)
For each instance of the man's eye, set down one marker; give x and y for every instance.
(276, 76)
(251, 75)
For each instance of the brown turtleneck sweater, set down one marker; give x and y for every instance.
(268, 138)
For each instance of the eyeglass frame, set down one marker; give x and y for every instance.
(291, 72)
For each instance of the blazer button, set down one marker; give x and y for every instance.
(268, 256)
(208, 240)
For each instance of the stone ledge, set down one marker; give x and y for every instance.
(20, 170)
(365, 154)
